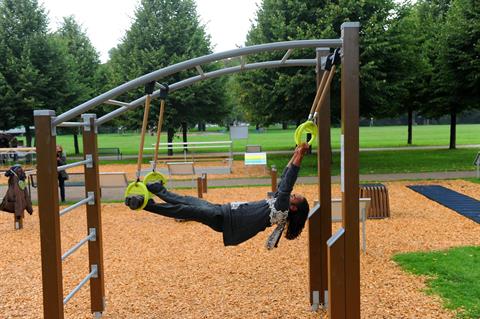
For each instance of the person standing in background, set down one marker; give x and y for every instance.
(62, 175)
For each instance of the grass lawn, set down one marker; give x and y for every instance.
(453, 274)
(376, 162)
(278, 139)
(384, 162)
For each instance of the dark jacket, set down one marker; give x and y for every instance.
(242, 222)
(62, 160)
(16, 199)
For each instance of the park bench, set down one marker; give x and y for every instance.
(110, 151)
(223, 159)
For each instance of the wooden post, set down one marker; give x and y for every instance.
(47, 179)
(349, 166)
(18, 221)
(319, 225)
(94, 216)
(336, 279)
(199, 187)
(273, 175)
(205, 183)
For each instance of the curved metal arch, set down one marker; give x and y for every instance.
(193, 63)
(204, 76)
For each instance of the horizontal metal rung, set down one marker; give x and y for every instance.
(91, 237)
(92, 274)
(71, 124)
(89, 200)
(87, 162)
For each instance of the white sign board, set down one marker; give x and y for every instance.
(238, 132)
(256, 158)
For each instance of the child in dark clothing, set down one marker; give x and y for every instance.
(239, 221)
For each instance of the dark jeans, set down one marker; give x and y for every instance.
(188, 207)
(61, 185)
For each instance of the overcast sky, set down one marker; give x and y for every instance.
(106, 21)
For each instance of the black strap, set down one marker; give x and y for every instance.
(164, 91)
(333, 59)
(149, 87)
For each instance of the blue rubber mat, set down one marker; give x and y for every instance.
(462, 204)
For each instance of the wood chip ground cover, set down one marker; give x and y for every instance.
(158, 268)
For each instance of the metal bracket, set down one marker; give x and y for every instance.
(325, 298)
(54, 127)
(86, 121)
(89, 157)
(316, 300)
(91, 201)
(94, 268)
(92, 231)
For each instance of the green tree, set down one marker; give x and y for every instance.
(287, 94)
(165, 32)
(457, 67)
(83, 61)
(33, 68)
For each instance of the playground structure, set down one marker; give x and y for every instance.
(334, 269)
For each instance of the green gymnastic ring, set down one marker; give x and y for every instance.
(153, 177)
(138, 188)
(307, 127)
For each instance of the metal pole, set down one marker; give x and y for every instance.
(350, 165)
(319, 226)
(47, 180)
(94, 214)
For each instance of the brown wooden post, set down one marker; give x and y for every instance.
(349, 166)
(48, 211)
(199, 187)
(336, 279)
(205, 183)
(94, 213)
(273, 176)
(18, 221)
(319, 225)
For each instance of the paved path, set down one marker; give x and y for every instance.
(365, 149)
(114, 194)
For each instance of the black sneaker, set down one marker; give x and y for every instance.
(134, 201)
(155, 187)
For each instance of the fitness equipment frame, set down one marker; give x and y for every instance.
(334, 270)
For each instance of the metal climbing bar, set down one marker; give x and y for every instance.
(164, 72)
(92, 274)
(209, 75)
(89, 200)
(115, 102)
(88, 162)
(71, 124)
(287, 55)
(91, 237)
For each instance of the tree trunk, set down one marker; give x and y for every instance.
(453, 128)
(184, 136)
(284, 125)
(170, 134)
(75, 141)
(28, 138)
(28, 135)
(410, 124)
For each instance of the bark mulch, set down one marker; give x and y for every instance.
(158, 268)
